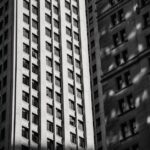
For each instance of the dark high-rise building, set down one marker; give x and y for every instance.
(124, 53)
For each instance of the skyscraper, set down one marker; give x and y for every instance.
(96, 72)
(124, 51)
(44, 76)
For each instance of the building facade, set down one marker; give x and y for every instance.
(96, 72)
(124, 50)
(45, 82)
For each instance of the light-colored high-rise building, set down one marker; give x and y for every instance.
(44, 76)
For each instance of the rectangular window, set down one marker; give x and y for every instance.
(73, 138)
(49, 109)
(50, 126)
(49, 92)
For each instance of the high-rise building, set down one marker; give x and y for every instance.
(45, 90)
(95, 71)
(124, 50)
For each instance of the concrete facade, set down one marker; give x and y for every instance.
(48, 104)
(124, 50)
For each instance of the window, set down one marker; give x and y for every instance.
(25, 132)
(48, 32)
(70, 74)
(25, 114)
(35, 119)
(25, 96)
(49, 92)
(72, 121)
(50, 144)
(148, 40)
(58, 97)
(98, 122)
(77, 62)
(77, 50)
(78, 78)
(73, 138)
(123, 35)
(56, 37)
(48, 18)
(48, 46)
(26, 64)
(26, 19)
(99, 137)
(50, 126)
(3, 116)
(34, 24)
(82, 142)
(59, 146)
(48, 76)
(69, 45)
(80, 125)
(75, 23)
(35, 101)
(58, 81)
(71, 104)
(70, 88)
(34, 85)
(58, 113)
(68, 18)
(34, 10)
(23, 147)
(56, 23)
(35, 137)
(59, 130)
(57, 66)
(34, 68)
(79, 93)
(76, 36)
(25, 80)
(116, 39)
(75, 9)
(56, 10)
(96, 94)
(80, 109)
(47, 5)
(68, 31)
(57, 51)
(26, 4)
(96, 108)
(69, 59)
(49, 109)
(67, 5)
(127, 78)
(48, 62)
(144, 2)
(34, 53)
(26, 48)
(26, 33)
(34, 38)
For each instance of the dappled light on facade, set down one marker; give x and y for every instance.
(111, 93)
(113, 113)
(106, 8)
(148, 120)
(145, 95)
(140, 48)
(132, 34)
(139, 76)
(138, 26)
(137, 102)
(111, 67)
(128, 15)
